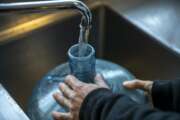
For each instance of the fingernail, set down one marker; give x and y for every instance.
(53, 112)
(55, 94)
(126, 83)
(98, 75)
(70, 77)
(61, 84)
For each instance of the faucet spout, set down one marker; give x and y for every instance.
(47, 5)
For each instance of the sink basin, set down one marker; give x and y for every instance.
(141, 54)
(26, 58)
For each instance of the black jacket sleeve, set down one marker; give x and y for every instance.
(166, 95)
(102, 104)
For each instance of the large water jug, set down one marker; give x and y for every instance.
(84, 67)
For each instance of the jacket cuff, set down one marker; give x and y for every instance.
(162, 95)
(91, 99)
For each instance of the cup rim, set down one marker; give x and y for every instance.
(71, 56)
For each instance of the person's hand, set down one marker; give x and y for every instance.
(146, 86)
(73, 94)
(139, 84)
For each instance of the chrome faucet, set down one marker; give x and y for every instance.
(54, 4)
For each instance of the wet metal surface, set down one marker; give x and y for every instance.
(36, 6)
(158, 18)
(9, 109)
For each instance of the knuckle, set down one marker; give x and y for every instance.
(72, 107)
(78, 87)
(136, 82)
(71, 117)
(62, 86)
(73, 96)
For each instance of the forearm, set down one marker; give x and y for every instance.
(102, 104)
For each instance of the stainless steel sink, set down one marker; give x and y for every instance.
(142, 54)
(29, 56)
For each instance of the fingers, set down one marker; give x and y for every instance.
(62, 100)
(138, 84)
(73, 82)
(67, 92)
(100, 81)
(135, 84)
(61, 116)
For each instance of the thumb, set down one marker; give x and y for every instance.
(138, 84)
(100, 81)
